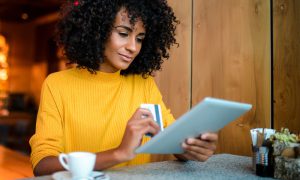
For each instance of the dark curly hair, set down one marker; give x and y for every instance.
(85, 25)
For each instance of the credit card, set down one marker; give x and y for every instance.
(155, 109)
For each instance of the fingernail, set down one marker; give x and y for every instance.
(190, 141)
(184, 145)
(203, 136)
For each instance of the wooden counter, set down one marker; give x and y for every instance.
(14, 165)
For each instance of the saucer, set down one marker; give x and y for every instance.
(66, 175)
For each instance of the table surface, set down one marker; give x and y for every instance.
(14, 164)
(221, 166)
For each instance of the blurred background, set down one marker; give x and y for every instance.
(27, 55)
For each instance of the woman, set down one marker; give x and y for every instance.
(116, 45)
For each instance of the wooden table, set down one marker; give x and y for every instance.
(14, 165)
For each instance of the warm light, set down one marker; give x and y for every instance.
(24, 16)
(2, 41)
(3, 75)
(2, 58)
(4, 65)
(3, 45)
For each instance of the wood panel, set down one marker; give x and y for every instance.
(174, 79)
(231, 60)
(286, 66)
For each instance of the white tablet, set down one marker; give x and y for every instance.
(210, 115)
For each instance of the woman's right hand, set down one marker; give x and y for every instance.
(138, 125)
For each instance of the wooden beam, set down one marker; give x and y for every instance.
(49, 18)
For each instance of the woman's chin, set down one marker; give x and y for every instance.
(123, 66)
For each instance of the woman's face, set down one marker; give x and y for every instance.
(124, 43)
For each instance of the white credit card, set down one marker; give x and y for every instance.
(156, 113)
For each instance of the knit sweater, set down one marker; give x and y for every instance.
(80, 111)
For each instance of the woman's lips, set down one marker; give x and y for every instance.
(125, 57)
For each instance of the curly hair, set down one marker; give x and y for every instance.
(85, 25)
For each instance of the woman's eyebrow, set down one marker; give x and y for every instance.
(128, 29)
(125, 27)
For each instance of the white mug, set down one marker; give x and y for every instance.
(80, 164)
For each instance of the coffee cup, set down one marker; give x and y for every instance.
(79, 164)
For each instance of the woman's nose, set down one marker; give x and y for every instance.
(131, 45)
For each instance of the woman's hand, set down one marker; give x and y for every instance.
(139, 124)
(199, 149)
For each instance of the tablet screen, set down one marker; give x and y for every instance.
(209, 115)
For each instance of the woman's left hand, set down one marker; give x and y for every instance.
(199, 149)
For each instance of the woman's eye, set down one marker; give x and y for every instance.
(123, 34)
(140, 40)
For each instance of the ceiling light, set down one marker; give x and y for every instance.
(24, 16)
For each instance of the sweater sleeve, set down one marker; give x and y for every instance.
(48, 138)
(156, 98)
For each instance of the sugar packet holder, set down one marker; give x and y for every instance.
(155, 109)
(262, 162)
(266, 132)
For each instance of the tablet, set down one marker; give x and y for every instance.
(210, 115)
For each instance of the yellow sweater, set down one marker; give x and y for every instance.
(80, 111)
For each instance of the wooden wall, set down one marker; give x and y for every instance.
(229, 58)
(175, 79)
(286, 64)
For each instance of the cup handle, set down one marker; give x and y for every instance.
(63, 159)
